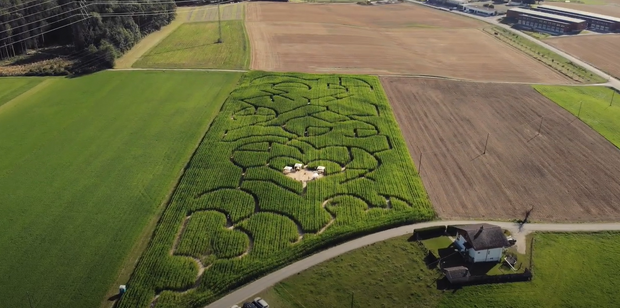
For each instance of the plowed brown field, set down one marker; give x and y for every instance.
(568, 172)
(387, 39)
(601, 51)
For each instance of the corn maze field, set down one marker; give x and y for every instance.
(236, 216)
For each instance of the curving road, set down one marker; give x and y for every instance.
(517, 231)
(611, 81)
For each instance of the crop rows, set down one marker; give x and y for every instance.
(237, 213)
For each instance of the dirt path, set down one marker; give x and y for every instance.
(151, 40)
(518, 233)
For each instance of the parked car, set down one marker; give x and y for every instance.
(261, 303)
(249, 305)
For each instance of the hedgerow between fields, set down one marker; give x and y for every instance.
(235, 216)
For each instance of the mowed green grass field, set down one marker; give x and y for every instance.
(85, 165)
(13, 87)
(194, 45)
(570, 270)
(597, 108)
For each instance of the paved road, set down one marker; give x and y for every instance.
(277, 276)
(611, 81)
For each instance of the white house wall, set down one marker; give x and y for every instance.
(487, 255)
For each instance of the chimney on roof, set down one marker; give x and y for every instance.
(479, 231)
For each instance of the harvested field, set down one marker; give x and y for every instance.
(313, 38)
(598, 50)
(611, 9)
(232, 11)
(568, 172)
(385, 16)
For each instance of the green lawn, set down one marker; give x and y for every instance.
(12, 87)
(244, 218)
(570, 270)
(595, 111)
(194, 45)
(85, 164)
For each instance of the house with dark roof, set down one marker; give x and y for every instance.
(481, 242)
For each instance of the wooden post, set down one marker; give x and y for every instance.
(613, 93)
(579, 112)
(485, 144)
(352, 295)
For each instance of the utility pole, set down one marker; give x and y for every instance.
(485, 144)
(579, 112)
(219, 22)
(540, 126)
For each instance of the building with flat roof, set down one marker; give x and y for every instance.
(546, 22)
(596, 22)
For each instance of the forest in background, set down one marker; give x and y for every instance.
(72, 37)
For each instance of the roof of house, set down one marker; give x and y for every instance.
(456, 272)
(546, 15)
(483, 236)
(579, 12)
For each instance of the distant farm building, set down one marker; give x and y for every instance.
(546, 22)
(481, 242)
(595, 22)
(483, 11)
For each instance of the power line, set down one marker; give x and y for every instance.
(23, 8)
(26, 16)
(33, 22)
(51, 30)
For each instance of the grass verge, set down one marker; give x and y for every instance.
(87, 162)
(194, 45)
(599, 107)
(549, 58)
(235, 216)
(571, 270)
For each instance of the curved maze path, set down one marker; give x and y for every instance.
(234, 208)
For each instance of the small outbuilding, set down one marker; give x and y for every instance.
(315, 176)
(320, 169)
(457, 274)
(288, 169)
(481, 242)
(298, 166)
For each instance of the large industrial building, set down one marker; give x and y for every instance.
(546, 22)
(596, 22)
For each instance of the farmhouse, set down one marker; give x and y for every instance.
(595, 22)
(481, 242)
(530, 19)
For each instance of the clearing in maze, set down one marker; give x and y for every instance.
(236, 215)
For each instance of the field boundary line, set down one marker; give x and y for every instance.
(15, 101)
(179, 69)
(518, 230)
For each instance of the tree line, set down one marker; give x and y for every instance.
(97, 31)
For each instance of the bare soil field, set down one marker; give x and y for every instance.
(612, 9)
(230, 11)
(598, 50)
(387, 16)
(388, 39)
(567, 172)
